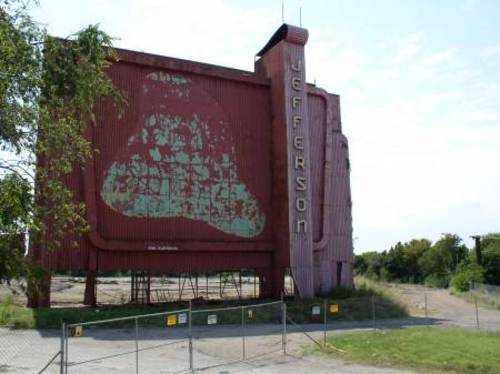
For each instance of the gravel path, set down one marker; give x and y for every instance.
(447, 308)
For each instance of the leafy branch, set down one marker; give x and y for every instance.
(48, 91)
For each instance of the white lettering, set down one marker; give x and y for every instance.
(296, 121)
(301, 183)
(298, 142)
(297, 67)
(300, 162)
(301, 204)
(298, 147)
(296, 101)
(301, 226)
(296, 83)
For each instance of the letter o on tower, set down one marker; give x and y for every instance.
(301, 204)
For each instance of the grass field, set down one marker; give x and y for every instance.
(484, 299)
(428, 350)
(16, 316)
(354, 305)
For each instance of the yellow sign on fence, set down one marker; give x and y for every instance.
(334, 308)
(76, 331)
(171, 319)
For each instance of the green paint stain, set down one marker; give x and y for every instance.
(181, 175)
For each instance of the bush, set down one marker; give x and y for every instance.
(467, 272)
(14, 316)
(437, 281)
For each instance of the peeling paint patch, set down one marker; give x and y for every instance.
(178, 85)
(167, 78)
(178, 168)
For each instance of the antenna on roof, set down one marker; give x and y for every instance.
(283, 12)
(300, 16)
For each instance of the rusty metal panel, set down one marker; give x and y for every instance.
(169, 263)
(199, 173)
(336, 221)
(185, 149)
(283, 62)
(318, 134)
(342, 221)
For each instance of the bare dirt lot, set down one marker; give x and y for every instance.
(68, 291)
(443, 306)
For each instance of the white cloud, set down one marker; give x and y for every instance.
(215, 31)
(442, 57)
(409, 46)
(491, 50)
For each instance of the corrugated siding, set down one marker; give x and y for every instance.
(243, 106)
(163, 262)
(245, 110)
(317, 134)
(342, 220)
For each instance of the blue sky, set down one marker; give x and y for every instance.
(419, 84)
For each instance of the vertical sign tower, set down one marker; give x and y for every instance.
(282, 60)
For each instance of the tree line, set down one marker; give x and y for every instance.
(447, 262)
(48, 90)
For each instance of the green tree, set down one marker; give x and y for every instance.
(467, 271)
(371, 264)
(413, 251)
(48, 89)
(15, 207)
(440, 261)
(396, 265)
(490, 245)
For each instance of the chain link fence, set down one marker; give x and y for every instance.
(241, 327)
(174, 341)
(487, 296)
(126, 344)
(23, 350)
(204, 337)
(487, 293)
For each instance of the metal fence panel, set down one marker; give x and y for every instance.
(109, 345)
(164, 340)
(25, 350)
(262, 330)
(123, 343)
(191, 339)
(217, 336)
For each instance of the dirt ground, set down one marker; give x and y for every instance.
(443, 306)
(68, 291)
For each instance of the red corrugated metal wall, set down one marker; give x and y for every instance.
(223, 118)
(242, 108)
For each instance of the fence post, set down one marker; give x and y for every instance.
(283, 334)
(66, 355)
(243, 331)
(136, 346)
(63, 356)
(190, 336)
(425, 305)
(477, 312)
(325, 321)
(373, 311)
